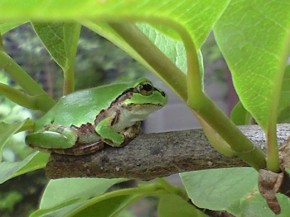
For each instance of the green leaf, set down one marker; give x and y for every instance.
(254, 40)
(219, 189)
(7, 131)
(65, 197)
(10, 169)
(107, 208)
(7, 26)
(197, 16)
(60, 190)
(61, 210)
(255, 205)
(240, 116)
(37, 162)
(172, 48)
(171, 205)
(60, 39)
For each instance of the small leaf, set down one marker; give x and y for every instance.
(10, 169)
(37, 162)
(171, 205)
(7, 131)
(240, 116)
(60, 39)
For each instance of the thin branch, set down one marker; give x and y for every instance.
(155, 155)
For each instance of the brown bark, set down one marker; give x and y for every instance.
(155, 155)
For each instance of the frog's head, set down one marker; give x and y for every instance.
(142, 98)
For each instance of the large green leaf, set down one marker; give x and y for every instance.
(60, 190)
(70, 196)
(234, 190)
(254, 37)
(255, 205)
(220, 189)
(197, 16)
(171, 47)
(107, 208)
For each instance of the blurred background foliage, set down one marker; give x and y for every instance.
(98, 62)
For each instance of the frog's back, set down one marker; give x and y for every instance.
(82, 106)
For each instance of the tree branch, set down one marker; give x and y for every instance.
(155, 155)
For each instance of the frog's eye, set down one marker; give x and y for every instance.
(145, 88)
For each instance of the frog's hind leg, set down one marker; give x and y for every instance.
(53, 137)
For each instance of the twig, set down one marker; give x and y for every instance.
(155, 155)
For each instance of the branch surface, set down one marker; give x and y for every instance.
(156, 155)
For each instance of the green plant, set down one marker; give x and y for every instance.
(166, 37)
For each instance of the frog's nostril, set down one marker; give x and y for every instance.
(163, 93)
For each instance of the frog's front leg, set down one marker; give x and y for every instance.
(131, 132)
(53, 137)
(112, 137)
(108, 134)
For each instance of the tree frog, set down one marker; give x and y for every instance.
(82, 122)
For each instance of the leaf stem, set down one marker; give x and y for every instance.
(239, 143)
(68, 80)
(273, 162)
(71, 32)
(166, 69)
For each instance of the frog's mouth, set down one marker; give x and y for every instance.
(142, 106)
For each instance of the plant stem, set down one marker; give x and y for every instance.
(17, 96)
(273, 162)
(68, 80)
(166, 69)
(173, 189)
(239, 143)
(23, 79)
(72, 35)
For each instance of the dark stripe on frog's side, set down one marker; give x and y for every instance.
(104, 113)
(116, 118)
(127, 94)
